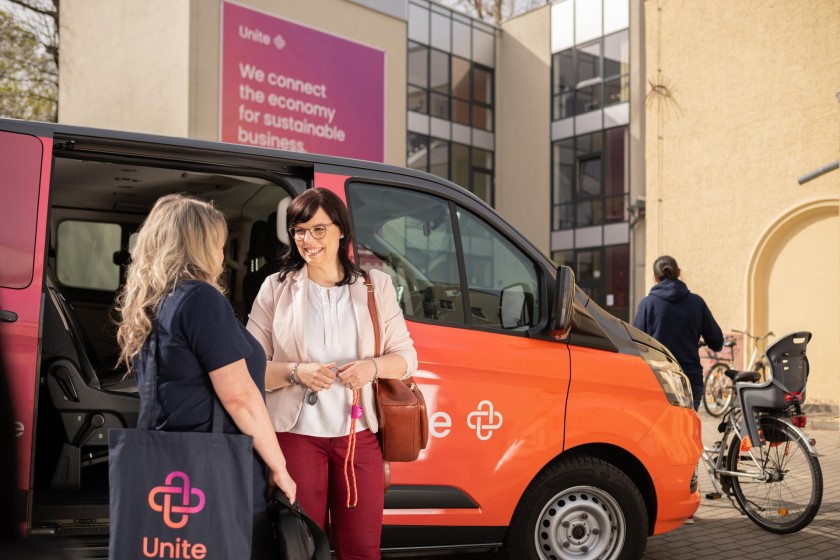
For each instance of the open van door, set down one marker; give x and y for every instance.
(25, 164)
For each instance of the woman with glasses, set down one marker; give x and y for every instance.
(313, 322)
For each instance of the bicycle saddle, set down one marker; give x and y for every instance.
(742, 376)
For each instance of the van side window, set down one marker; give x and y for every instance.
(503, 285)
(20, 176)
(409, 236)
(86, 253)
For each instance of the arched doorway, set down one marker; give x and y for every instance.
(793, 283)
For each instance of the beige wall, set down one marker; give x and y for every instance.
(124, 65)
(523, 142)
(153, 65)
(744, 103)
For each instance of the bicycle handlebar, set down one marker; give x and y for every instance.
(752, 336)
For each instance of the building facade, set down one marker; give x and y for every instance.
(608, 132)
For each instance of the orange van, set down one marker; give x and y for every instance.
(556, 430)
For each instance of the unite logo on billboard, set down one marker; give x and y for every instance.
(184, 493)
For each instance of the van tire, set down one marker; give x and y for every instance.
(579, 507)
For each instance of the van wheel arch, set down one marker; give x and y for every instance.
(579, 504)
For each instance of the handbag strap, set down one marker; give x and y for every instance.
(149, 403)
(371, 301)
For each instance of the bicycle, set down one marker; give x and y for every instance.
(718, 384)
(763, 459)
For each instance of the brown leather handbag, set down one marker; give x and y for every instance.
(400, 406)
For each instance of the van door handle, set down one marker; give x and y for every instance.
(7, 316)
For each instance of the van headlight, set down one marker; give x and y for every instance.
(675, 384)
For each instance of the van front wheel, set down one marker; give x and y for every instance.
(579, 508)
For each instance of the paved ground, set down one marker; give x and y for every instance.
(720, 531)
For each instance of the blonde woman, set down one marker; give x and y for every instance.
(203, 350)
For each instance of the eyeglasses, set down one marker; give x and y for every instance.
(316, 232)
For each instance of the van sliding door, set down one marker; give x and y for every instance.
(24, 181)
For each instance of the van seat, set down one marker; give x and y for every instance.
(86, 410)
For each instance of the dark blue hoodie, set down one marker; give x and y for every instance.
(677, 318)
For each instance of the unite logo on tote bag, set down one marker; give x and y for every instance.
(179, 494)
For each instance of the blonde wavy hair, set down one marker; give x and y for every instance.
(177, 242)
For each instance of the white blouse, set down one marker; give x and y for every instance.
(330, 337)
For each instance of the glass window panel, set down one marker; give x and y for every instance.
(614, 209)
(616, 54)
(418, 23)
(482, 117)
(460, 112)
(590, 213)
(617, 280)
(589, 143)
(409, 236)
(562, 25)
(482, 158)
(616, 15)
(418, 151)
(563, 71)
(482, 185)
(563, 217)
(564, 258)
(439, 71)
(589, 177)
(588, 63)
(439, 106)
(588, 265)
(588, 99)
(563, 171)
(418, 99)
(418, 65)
(616, 91)
(439, 158)
(564, 106)
(85, 255)
(615, 152)
(461, 165)
(503, 282)
(482, 85)
(461, 39)
(441, 32)
(587, 20)
(483, 51)
(460, 77)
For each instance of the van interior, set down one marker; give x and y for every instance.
(97, 203)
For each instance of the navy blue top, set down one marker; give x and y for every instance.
(677, 318)
(198, 333)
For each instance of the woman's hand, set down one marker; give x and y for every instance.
(355, 374)
(282, 480)
(317, 377)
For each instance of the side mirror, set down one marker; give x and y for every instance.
(564, 293)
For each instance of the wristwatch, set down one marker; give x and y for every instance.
(292, 377)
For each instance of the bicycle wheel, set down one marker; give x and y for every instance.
(717, 390)
(789, 491)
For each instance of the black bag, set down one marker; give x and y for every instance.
(297, 536)
(179, 494)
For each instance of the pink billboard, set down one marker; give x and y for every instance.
(295, 88)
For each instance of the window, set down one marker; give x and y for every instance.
(589, 180)
(603, 273)
(85, 258)
(503, 287)
(20, 171)
(590, 76)
(410, 236)
(471, 168)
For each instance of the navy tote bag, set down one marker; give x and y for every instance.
(178, 494)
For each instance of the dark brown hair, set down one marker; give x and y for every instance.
(665, 268)
(301, 210)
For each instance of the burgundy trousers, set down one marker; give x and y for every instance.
(317, 466)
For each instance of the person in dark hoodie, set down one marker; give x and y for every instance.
(678, 318)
